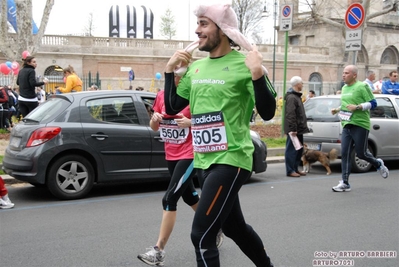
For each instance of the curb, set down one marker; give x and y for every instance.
(10, 180)
(275, 160)
(275, 152)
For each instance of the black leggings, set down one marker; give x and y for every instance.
(354, 137)
(180, 185)
(25, 107)
(219, 207)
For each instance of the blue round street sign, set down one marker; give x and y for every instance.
(354, 16)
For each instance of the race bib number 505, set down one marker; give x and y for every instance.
(209, 132)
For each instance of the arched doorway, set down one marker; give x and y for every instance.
(55, 75)
(316, 83)
(390, 56)
(53, 71)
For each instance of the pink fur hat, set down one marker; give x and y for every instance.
(224, 16)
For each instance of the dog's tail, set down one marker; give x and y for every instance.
(333, 154)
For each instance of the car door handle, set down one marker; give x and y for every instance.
(158, 138)
(99, 136)
(376, 127)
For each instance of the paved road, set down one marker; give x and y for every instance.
(299, 220)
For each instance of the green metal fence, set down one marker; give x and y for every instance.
(88, 80)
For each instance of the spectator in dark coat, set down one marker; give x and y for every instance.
(295, 126)
(27, 86)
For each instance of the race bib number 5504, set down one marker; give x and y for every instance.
(171, 133)
(209, 132)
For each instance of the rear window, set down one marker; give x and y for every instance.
(319, 109)
(384, 109)
(48, 110)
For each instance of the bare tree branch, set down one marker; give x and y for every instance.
(382, 12)
(317, 17)
(315, 13)
(43, 23)
(249, 14)
(89, 27)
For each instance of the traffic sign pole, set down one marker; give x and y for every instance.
(284, 84)
(285, 25)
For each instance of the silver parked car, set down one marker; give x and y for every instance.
(326, 130)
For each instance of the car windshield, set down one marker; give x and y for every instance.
(319, 109)
(48, 110)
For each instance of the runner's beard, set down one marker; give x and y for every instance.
(212, 42)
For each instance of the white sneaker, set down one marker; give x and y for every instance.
(383, 170)
(342, 187)
(154, 256)
(5, 203)
(219, 239)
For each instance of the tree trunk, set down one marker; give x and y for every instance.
(12, 45)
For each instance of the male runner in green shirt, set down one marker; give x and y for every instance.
(221, 90)
(356, 102)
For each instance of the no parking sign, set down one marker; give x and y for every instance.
(354, 16)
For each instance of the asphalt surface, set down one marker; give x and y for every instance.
(300, 220)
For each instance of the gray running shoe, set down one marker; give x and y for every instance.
(382, 169)
(342, 187)
(154, 256)
(219, 239)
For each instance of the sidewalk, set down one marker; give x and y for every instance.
(274, 155)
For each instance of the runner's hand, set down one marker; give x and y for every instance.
(183, 122)
(179, 58)
(253, 61)
(156, 117)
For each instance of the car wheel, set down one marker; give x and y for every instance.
(359, 165)
(70, 177)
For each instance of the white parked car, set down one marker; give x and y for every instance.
(326, 130)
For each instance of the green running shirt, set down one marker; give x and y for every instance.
(221, 96)
(356, 94)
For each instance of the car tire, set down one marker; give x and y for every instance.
(70, 177)
(359, 165)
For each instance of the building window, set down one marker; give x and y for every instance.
(294, 40)
(390, 56)
(316, 83)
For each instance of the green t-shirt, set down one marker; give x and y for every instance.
(221, 96)
(356, 94)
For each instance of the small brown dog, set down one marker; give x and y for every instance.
(310, 156)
